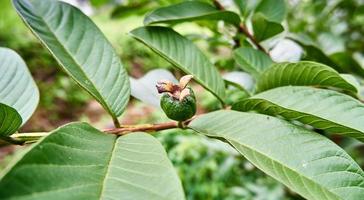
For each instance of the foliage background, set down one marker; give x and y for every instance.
(208, 169)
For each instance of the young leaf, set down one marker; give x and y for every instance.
(17, 87)
(190, 11)
(323, 109)
(246, 7)
(303, 73)
(80, 48)
(79, 162)
(251, 60)
(308, 163)
(10, 120)
(273, 10)
(264, 29)
(183, 54)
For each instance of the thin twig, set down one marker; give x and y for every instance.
(242, 29)
(125, 129)
(27, 138)
(144, 128)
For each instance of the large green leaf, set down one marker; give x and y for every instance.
(17, 87)
(304, 73)
(79, 162)
(80, 48)
(190, 11)
(323, 109)
(306, 162)
(183, 54)
(273, 10)
(10, 120)
(265, 29)
(252, 60)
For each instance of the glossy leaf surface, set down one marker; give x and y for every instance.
(306, 162)
(79, 162)
(80, 48)
(323, 109)
(251, 60)
(17, 87)
(304, 73)
(10, 120)
(190, 11)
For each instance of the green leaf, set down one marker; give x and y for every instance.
(341, 61)
(183, 54)
(133, 9)
(251, 60)
(190, 11)
(10, 120)
(347, 64)
(17, 87)
(79, 162)
(80, 48)
(305, 161)
(303, 73)
(246, 6)
(99, 2)
(273, 10)
(264, 29)
(242, 6)
(323, 109)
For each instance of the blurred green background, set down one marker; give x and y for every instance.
(208, 169)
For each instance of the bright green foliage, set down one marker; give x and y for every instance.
(303, 73)
(307, 162)
(263, 28)
(80, 48)
(273, 10)
(79, 162)
(183, 54)
(190, 11)
(10, 120)
(323, 109)
(17, 87)
(98, 2)
(252, 60)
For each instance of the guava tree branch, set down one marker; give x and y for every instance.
(143, 128)
(28, 138)
(242, 29)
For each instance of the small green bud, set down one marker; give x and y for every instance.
(178, 101)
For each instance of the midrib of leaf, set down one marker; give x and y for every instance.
(98, 96)
(179, 67)
(108, 168)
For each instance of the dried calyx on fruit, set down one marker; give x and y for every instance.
(177, 101)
